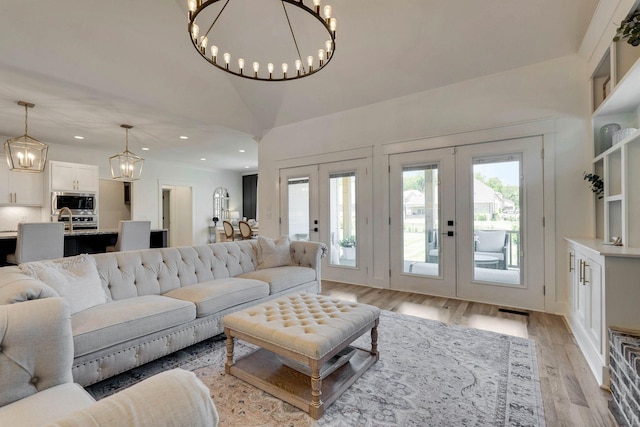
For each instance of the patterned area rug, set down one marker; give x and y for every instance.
(429, 374)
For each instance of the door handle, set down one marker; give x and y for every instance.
(581, 272)
(571, 262)
(448, 233)
(584, 274)
(315, 230)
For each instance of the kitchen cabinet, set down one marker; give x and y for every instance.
(73, 177)
(604, 292)
(20, 188)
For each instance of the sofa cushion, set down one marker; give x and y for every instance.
(75, 279)
(216, 295)
(42, 407)
(273, 253)
(116, 322)
(282, 278)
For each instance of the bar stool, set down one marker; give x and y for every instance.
(38, 241)
(132, 235)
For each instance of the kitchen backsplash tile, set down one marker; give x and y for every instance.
(10, 216)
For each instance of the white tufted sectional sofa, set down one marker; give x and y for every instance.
(162, 300)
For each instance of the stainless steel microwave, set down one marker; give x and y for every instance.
(79, 203)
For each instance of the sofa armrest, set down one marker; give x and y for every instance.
(37, 347)
(172, 398)
(308, 254)
(15, 286)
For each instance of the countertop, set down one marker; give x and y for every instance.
(95, 232)
(598, 246)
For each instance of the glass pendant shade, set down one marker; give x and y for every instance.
(126, 166)
(24, 153)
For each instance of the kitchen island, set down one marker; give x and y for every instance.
(80, 241)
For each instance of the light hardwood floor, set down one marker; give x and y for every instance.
(570, 393)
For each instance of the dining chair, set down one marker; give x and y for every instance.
(228, 231)
(245, 230)
(132, 235)
(38, 241)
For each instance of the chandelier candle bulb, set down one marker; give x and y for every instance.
(241, 65)
(298, 65)
(256, 67)
(285, 67)
(203, 44)
(321, 56)
(227, 59)
(270, 68)
(328, 44)
(316, 3)
(214, 53)
(310, 62)
(327, 12)
(333, 23)
(195, 30)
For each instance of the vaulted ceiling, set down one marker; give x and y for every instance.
(90, 66)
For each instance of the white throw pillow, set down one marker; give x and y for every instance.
(75, 279)
(273, 253)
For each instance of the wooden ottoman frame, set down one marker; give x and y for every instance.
(264, 369)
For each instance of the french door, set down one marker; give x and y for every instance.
(331, 203)
(468, 222)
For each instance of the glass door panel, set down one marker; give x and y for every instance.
(422, 210)
(496, 219)
(343, 217)
(420, 251)
(499, 212)
(298, 214)
(298, 203)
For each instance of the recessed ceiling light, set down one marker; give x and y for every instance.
(145, 148)
(242, 151)
(79, 137)
(202, 158)
(246, 167)
(184, 137)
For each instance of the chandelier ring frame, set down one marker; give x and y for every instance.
(295, 74)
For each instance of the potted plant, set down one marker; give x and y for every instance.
(595, 182)
(348, 245)
(629, 29)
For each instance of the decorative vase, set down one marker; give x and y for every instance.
(606, 135)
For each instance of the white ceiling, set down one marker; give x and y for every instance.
(90, 66)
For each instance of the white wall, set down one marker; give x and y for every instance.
(146, 193)
(554, 89)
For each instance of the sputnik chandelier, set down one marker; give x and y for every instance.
(311, 64)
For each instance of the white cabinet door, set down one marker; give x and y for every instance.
(6, 195)
(594, 325)
(86, 177)
(27, 188)
(62, 176)
(20, 188)
(581, 301)
(73, 177)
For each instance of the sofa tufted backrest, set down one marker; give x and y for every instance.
(36, 348)
(156, 271)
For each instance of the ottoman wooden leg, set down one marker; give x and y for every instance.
(315, 408)
(374, 338)
(227, 365)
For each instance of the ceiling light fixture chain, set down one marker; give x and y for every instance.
(293, 36)
(210, 54)
(24, 153)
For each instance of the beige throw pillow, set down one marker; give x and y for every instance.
(75, 279)
(273, 253)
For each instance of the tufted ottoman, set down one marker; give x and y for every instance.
(308, 329)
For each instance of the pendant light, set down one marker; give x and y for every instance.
(24, 153)
(126, 166)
